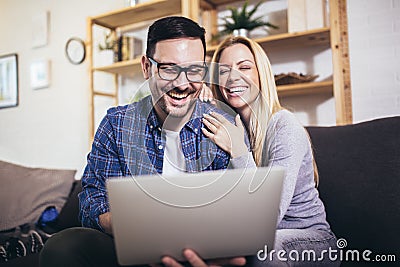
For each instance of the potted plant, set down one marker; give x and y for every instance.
(108, 48)
(241, 21)
(109, 42)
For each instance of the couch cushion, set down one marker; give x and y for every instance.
(359, 167)
(26, 192)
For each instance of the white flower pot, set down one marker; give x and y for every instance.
(105, 57)
(241, 32)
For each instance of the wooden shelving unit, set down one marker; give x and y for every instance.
(334, 37)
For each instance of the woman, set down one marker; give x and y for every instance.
(243, 80)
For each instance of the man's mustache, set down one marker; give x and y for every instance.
(176, 90)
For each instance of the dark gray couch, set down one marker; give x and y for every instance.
(359, 167)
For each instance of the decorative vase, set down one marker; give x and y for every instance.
(241, 32)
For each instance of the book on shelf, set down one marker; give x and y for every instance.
(129, 47)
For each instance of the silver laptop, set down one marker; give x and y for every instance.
(216, 213)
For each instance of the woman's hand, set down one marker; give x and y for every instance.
(196, 261)
(206, 94)
(223, 133)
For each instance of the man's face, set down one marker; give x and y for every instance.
(175, 98)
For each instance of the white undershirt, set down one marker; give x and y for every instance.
(174, 160)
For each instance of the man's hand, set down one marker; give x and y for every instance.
(196, 261)
(105, 222)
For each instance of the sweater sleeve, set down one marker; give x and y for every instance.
(244, 161)
(287, 145)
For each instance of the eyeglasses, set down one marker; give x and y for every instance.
(171, 71)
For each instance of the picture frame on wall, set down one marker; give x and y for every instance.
(40, 74)
(8, 80)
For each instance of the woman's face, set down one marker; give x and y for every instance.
(238, 76)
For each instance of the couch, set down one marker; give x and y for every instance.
(24, 195)
(359, 167)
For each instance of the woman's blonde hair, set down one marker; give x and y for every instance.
(267, 102)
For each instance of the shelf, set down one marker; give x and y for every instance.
(213, 4)
(126, 68)
(325, 87)
(307, 38)
(113, 95)
(138, 13)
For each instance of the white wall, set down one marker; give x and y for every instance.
(374, 41)
(49, 128)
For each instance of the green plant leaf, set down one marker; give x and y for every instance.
(243, 14)
(251, 12)
(241, 19)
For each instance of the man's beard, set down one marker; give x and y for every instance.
(176, 111)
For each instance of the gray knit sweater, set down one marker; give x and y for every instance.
(287, 145)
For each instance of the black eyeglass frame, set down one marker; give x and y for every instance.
(185, 70)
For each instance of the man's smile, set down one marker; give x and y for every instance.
(178, 95)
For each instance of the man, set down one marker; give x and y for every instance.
(159, 134)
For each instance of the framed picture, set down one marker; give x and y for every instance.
(9, 80)
(40, 74)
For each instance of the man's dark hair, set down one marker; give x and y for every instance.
(172, 28)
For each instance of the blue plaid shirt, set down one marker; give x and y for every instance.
(129, 141)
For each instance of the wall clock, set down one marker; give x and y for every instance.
(75, 50)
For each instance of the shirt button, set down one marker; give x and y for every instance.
(160, 147)
(195, 130)
(151, 126)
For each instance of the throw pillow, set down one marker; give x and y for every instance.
(26, 192)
